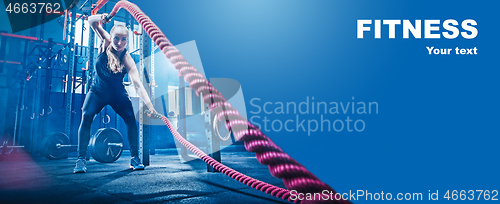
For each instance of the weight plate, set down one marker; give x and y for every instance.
(100, 147)
(51, 150)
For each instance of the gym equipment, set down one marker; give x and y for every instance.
(105, 146)
(4, 147)
(54, 146)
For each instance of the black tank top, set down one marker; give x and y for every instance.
(104, 79)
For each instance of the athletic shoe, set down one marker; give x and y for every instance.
(81, 166)
(135, 163)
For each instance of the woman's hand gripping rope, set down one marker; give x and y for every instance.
(154, 114)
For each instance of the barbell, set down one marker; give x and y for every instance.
(105, 146)
(4, 147)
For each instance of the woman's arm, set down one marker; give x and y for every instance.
(94, 22)
(134, 76)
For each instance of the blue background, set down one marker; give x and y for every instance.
(437, 127)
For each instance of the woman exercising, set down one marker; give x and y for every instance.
(107, 88)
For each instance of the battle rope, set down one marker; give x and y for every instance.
(249, 181)
(281, 165)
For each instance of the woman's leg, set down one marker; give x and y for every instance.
(123, 106)
(93, 104)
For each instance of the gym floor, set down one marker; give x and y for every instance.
(167, 180)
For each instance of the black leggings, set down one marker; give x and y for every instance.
(94, 103)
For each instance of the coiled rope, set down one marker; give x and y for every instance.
(281, 165)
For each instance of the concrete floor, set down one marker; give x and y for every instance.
(167, 180)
